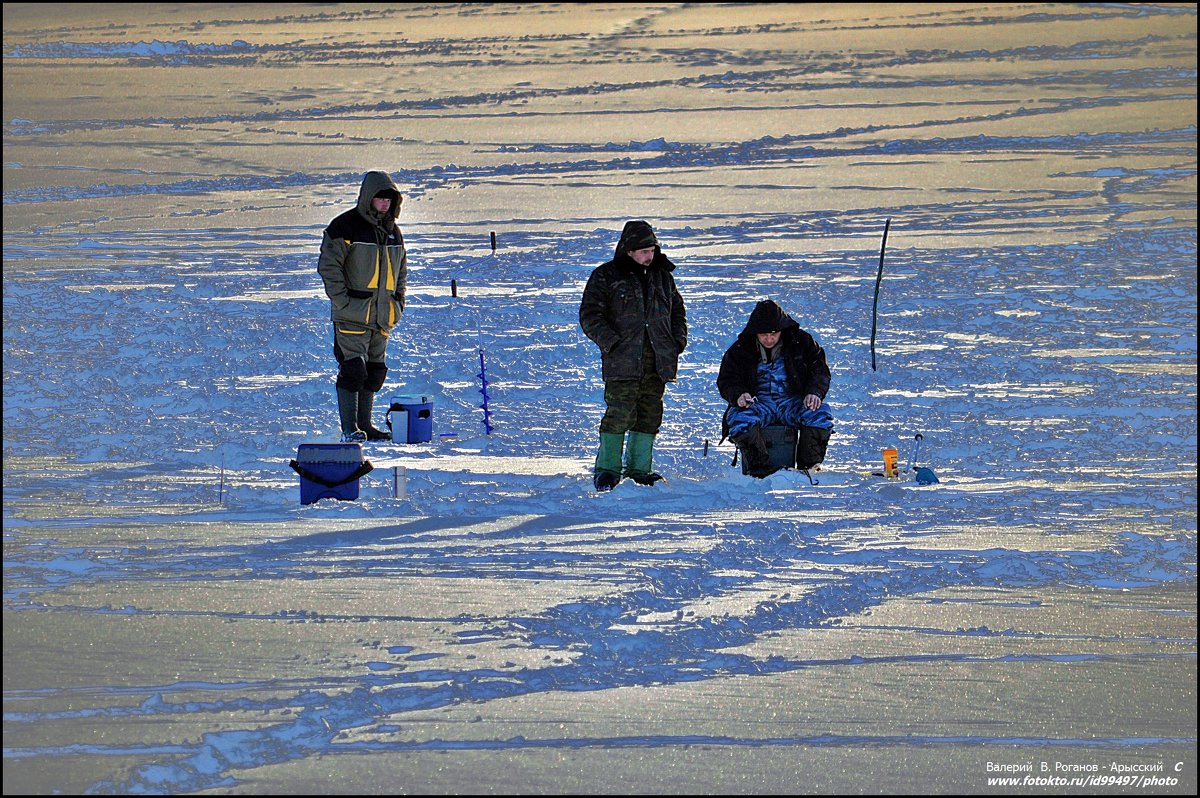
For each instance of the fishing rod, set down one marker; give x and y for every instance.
(878, 280)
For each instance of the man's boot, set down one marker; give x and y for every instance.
(608, 461)
(810, 446)
(366, 405)
(639, 456)
(755, 459)
(348, 416)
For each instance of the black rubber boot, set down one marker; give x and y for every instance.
(366, 406)
(348, 416)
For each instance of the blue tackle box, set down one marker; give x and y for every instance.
(329, 471)
(410, 418)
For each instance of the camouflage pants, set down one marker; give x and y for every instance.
(635, 405)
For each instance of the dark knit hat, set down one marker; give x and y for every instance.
(637, 235)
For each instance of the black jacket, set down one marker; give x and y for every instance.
(803, 358)
(624, 304)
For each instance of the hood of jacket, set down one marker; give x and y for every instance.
(375, 183)
(637, 235)
(767, 316)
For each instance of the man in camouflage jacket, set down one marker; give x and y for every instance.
(634, 313)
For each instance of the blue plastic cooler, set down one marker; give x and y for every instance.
(329, 471)
(410, 419)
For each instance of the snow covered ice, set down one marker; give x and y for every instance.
(176, 621)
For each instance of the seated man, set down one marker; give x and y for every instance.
(775, 373)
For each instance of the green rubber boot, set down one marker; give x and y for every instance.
(608, 461)
(639, 457)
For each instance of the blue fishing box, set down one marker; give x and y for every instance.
(329, 471)
(781, 446)
(410, 418)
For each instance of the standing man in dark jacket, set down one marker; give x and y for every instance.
(775, 373)
(365, 269)
(632, 310)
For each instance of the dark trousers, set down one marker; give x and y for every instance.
(360, 356)
(635, 405)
